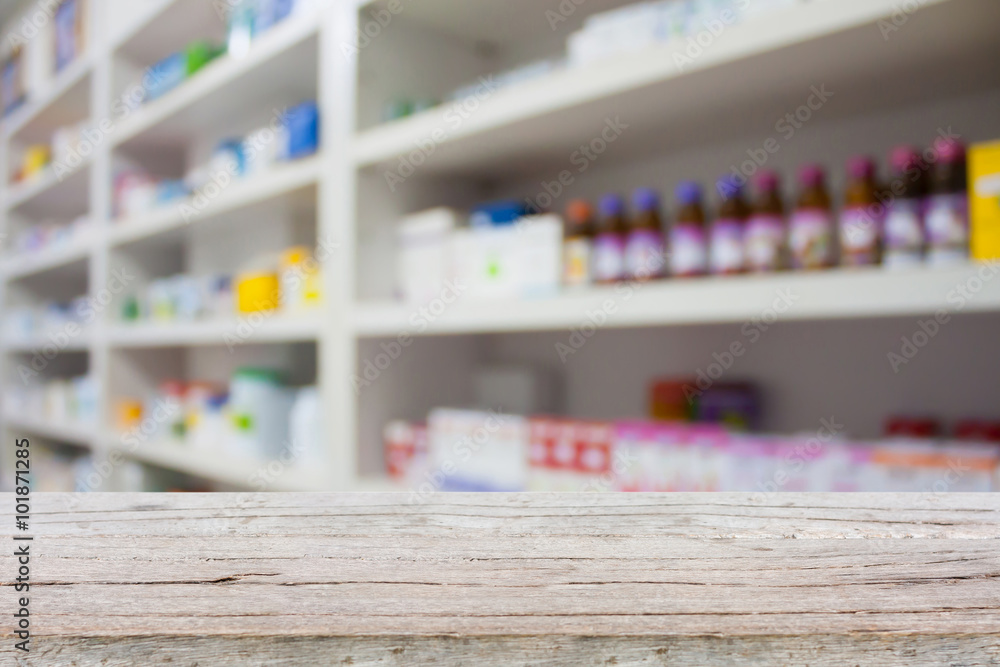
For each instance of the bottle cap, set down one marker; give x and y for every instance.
(729, 186)
(811, 176)
(904, 157)
(949, 150)
(767, 180)
(579, 211)
(860, 167)
(688, 193)
(646, 199)
(612, 205)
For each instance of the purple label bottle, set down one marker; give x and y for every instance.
(811, 227)
(688, 246)
(644, 251)
(764, 239)
(609, 243)
(726, 255)
(904, 215)
(947, 221)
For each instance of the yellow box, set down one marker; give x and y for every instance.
(256, 292)
(36, 158)
(984, 200)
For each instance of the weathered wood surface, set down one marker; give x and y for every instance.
(549, 579)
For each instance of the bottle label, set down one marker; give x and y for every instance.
(688, 252)
(810, 238)
(948, 220)
(727, 246)
(609, 258)
(765, 235)
(576, 262)
(904, 229)
(859, 234)
(644, 254)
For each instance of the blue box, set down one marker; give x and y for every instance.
(302, 127)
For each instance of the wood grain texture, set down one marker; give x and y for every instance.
(482, 579)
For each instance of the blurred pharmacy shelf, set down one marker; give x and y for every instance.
(747, 66)
(54, 190)
(79, 343)
(277, 182)
(79, 435)
(937, 66)
(271, 328)
(30, 264)
(67, 93)
(282, 56)
(219, 468)
(835, 294)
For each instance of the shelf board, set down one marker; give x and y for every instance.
(226, 86)
(29, 264)
(275, 328)
(79, 343)
(835, 294)
(51, 192)
(763, 67)
(71, 434)
(71, 85)
(280, 181)
(150, 14)
(220, 467)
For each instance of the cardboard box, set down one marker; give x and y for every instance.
(984, 200)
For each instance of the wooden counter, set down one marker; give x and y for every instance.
(552, 579)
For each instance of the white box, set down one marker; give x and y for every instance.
(477, 451)
(523, 260)
(424, 257)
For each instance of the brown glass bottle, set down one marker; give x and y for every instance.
(578, 244)
(726, 238)
(765, 233)
(948, 206)
(903, 228)
(688, 246)
(644, 251)
(860, 220)
(811, 229)
(609, 241)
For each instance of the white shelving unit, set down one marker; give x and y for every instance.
(935, 71)
(826, 354)
(266, 212)
(836, 294)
